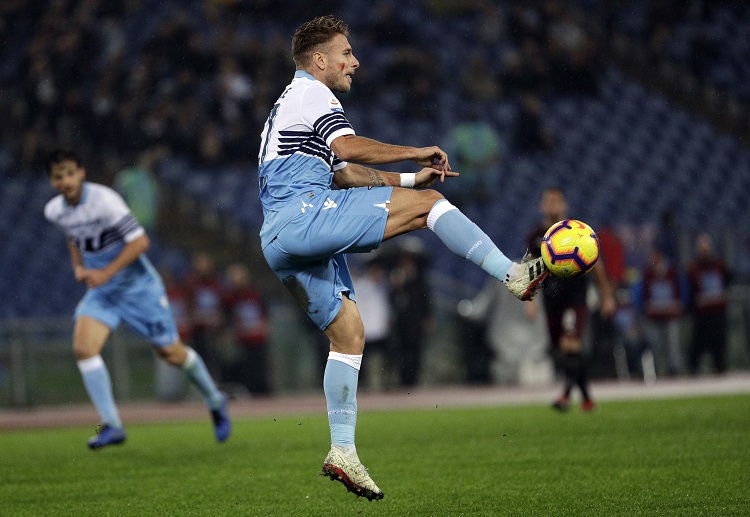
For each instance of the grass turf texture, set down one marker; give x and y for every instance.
(660, 457)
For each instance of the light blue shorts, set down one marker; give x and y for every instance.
(143, 305)
(308, 253)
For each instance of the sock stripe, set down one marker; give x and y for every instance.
(438, 209)
(90, 364)
(355, 361)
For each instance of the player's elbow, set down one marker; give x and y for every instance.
(144, 243)
(342, 147)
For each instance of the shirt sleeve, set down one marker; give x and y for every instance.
(322, 111)
(124, 224)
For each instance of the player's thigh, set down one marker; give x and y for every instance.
(145, 308)
(316, 285)
(409, 210)
(95, 317)
(573, 323)
(337, 221)
(89, 336)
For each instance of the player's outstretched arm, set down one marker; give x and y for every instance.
(354, 175)
(606, 291)
(365, 151)
(131, 251)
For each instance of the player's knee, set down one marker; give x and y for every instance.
(82, 351)
(431, 197)
(174, 354)
(353, 343)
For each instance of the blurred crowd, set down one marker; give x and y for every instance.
(130, 82)
(198, 77)
(224, 317)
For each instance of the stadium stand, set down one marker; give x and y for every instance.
(113, 79)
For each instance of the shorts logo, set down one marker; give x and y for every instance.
(384, 206)
(329, 204)
(305, 205)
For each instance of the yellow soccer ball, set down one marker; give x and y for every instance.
(570, 248)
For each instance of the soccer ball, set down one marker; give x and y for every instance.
(570, 248)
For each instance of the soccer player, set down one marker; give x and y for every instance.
(565, 305)
(307, 144)
(107, 247)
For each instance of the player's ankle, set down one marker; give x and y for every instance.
(513, 271)
(348, 451)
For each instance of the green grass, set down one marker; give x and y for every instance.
(664, 457)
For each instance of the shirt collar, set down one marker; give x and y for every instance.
(301, 73)
(84, 195)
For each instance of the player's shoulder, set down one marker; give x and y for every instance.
(54, 208)
(103, 195)
(100, 190)
(316, 89)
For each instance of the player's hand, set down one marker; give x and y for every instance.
(95, 277)
(80, 273)
(433, 157)
(427, 176)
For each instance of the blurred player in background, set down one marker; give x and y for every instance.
(663, 306)
(709, 289)
(308, 143)
(565, 305)
(107, 248)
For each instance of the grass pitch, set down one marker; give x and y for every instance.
(658, 457)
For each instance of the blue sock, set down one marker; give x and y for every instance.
(196, 371)
(466, 239)
(99, 387)
(340, 386)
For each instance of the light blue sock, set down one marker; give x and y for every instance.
(340, 386)
(99, 387)
(466, 239)
(196, 371)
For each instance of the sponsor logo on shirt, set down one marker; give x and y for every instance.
(335, 105)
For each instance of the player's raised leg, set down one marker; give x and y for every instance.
(414, 209)
(342, 463)
(177, 354)
(89, 337)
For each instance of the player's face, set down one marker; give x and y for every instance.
(67, 178)
(340, 64)
(554, 207)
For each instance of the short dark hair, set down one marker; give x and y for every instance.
(557, 189)
(313, 33)
(61, 155)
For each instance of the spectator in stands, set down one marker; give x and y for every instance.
(476, 148)
(663, 306)
(140, 189)
(709, 300)
(531, 135)
(247, 320)
(204, 295)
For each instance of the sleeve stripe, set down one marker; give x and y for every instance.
(330, 122)
(336, 134)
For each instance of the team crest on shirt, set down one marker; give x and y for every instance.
(335, 105)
